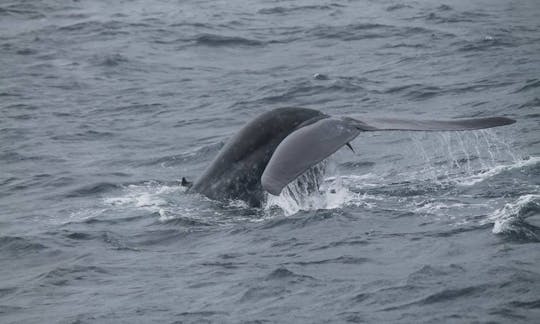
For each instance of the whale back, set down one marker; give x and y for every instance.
(235, 173)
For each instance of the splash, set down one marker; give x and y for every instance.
(148, 196)
(448, 159)
(170, 203)
(311, 191)
(151, 196)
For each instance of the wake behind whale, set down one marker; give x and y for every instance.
(278, 146)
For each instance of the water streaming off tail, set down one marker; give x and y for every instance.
(462, 158)
(446, 158)
(312, 190)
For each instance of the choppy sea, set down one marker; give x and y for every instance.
(106, 105)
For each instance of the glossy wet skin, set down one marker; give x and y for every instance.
(236, 171)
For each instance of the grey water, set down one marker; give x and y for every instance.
(106, 105)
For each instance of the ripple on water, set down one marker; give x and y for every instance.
(214, 40)
(69, 274)
(100, 97)
(278, 283)
(16, 245)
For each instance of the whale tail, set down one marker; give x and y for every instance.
(312, 143)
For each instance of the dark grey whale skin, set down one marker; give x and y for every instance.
(276, 147)
(236, 171)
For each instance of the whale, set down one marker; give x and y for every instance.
(279, 145)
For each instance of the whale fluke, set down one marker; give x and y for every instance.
(304, 148)
(311, 144)
(388, 124)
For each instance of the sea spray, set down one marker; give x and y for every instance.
(512, 218)
(458, 157)
(311, 191)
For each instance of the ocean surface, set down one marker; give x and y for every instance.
(106, 105)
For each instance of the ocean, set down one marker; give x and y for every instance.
(106, 105)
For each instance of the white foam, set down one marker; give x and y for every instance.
(83, 214)
(473, 179)
(436, 207)
(505, 217)
(334, 192)
(150, 196)
(237, 204)
(311, 192)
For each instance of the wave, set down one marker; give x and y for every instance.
(113, 240)
(93, 189)
(491, 172)
(530, 84)
(445, 14)
(110, 60)
(452, 294)
(292, 9)
(513, 220)
(215, 40)
(26, 51)
(434, 272)
(486, 43)
(418, 91)
(183, 221)
(276, 284)
(533, 103)
(88, 135)
(283, 273)
(198, 155)
(533, 304)
(360, 31)
(65, 276)
(405, 45)
(16, 245)
(443, 296)
(319, 90)
(415, 91)
(24, 10)
(106, 28)
(339, 260)
(398, 6)
(16, 157)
